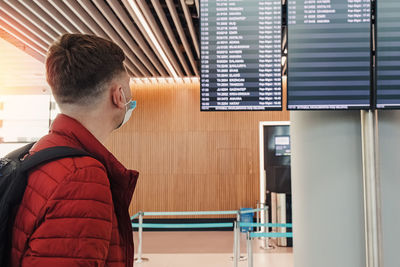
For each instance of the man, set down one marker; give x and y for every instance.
(75, 210)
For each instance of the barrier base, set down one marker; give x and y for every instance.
(140, 260)
(266, 244)
(267, 248)
(241, 258)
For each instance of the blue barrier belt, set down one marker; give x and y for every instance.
(184, 225)
(252, 235)
(135, 216)
(180, 213)
(246, 224)
(253, 210)
(183, 213)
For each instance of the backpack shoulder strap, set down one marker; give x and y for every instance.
(50, 154)
(19, 153)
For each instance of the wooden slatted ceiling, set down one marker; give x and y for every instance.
(190, 160)
(173, 52)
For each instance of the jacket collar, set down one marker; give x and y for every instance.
(122, 180)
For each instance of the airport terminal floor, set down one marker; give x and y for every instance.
(214, 249)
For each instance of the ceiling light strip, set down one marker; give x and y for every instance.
(32, 18)
(24, 22)
(112, 19)
(137, 36)
(175, 17)
(67, 12)
(165, 80)
(56, 15)
(197, 7)
(152, 37)
(102, 22)
(86, 18)
(170, 34)
(42, 15)
(149, 17)
(142, 32)
(189, 22)
(15, 25)
(40, 52)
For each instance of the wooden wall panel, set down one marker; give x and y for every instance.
(190, 160)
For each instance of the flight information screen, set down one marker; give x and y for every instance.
(329, 58)
(240, 55)
(388, 54)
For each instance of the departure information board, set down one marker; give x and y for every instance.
(240, 55)
(329, 58)
(388, 54)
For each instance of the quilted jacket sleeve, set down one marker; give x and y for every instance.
(74, 228)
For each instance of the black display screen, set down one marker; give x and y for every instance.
(388, 54)
(329, 58)
(240, 55)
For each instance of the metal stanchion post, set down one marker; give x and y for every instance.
(241, 258)
(238, 233)
(249, 251)
(262, 219)
(265, 240)
(236, 241)
(258, 217)
(235, 251)
(372, 189)
(139, 259)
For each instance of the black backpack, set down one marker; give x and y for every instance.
(13, 180)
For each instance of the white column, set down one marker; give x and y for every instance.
(327, 189)
(389, 146)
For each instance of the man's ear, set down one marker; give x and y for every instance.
(117, 97)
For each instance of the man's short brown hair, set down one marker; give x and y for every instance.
(79, 65)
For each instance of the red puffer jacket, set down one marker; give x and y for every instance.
(75, 210)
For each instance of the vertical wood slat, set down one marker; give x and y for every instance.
(190, 160)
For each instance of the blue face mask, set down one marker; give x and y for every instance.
(129, 107)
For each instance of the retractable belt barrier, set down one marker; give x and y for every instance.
(273, 235)
(236, 227)
(183, 225)
(140, 225)
(252, 211)
(183, 213)
(284, 225)
(135, 216)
